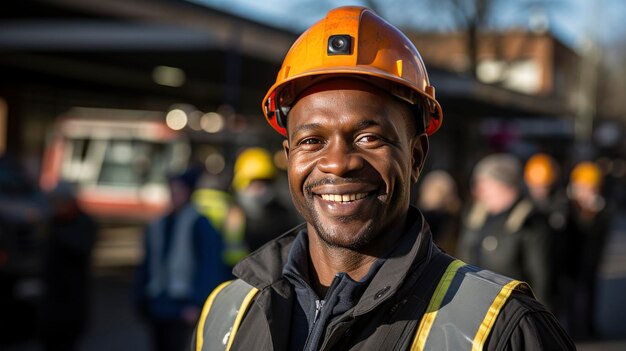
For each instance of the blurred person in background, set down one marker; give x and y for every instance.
(440, 204)
(542, 180)
(24, 214)
(502, 230)
(541, 177)
(66, 271)
(254, 184)
(587, 230)
(21, 200)
(213, 200)
(181, 265)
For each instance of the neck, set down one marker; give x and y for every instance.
(326, 260)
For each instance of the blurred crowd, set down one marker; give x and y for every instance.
(531, 219)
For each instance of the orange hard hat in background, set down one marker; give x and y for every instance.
(353, 41)
(540, 170)
(586, 173)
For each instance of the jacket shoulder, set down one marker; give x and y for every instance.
(525, 324)
(222, 315)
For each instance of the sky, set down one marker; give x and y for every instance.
(574, 22)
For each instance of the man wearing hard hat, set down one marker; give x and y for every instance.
(355, 105)
(587, 231)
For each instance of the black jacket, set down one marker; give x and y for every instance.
(389, 310)
(516, 243)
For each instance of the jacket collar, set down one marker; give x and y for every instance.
(404, 264)
(264, 266)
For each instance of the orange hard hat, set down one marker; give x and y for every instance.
(586, 173)
(353, 41)
(540, 170)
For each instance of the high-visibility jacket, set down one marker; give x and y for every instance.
(464, 295)
(420, 299)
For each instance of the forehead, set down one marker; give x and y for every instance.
(343, 100)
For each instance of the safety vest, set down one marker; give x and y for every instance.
(220, 208)
(173, 276)
(461, 313)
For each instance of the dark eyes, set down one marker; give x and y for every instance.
(310, 141)
(365, 141)
(368, 139)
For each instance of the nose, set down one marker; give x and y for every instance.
(340, 158)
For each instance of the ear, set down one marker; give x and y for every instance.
(419, 150)
(286, 148)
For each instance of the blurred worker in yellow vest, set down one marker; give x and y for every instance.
(213, 199)
(255, 188)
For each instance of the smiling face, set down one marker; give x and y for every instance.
(353, 154)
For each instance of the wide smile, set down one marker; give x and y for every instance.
(343, 198)
(347, 199)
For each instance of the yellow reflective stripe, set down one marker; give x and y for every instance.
(205, 313)
(240, 313)
(435, 302)
(492, 313)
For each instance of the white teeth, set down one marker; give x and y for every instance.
(343, 198)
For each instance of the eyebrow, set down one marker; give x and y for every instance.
(367, 123)
(304, 127)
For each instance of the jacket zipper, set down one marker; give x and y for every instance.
(319, 304)
(319, 307)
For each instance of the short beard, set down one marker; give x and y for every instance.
(363, 240)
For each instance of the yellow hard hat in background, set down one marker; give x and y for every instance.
(252, 163)
(586, 173)
(540, 170)
(353, 41)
